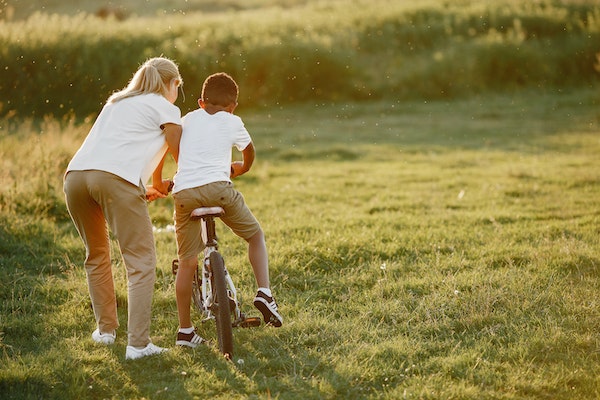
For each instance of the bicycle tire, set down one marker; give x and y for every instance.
(220, 305)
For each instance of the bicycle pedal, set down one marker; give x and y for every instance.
(250, 322)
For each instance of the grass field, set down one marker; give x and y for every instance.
(433, 250)
(427, 176)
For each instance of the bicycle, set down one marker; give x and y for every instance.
(213, 292)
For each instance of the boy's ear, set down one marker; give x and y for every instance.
(201, 103)
(231, 107)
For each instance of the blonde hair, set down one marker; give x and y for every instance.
(154, 76)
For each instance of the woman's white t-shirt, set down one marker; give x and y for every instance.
(205, 148)
(127, 139)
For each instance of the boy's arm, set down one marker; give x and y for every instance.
(241, 167)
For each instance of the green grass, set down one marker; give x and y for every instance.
(433, 250)
(440, 241)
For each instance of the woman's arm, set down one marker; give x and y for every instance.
(173, 137)
(160, 187)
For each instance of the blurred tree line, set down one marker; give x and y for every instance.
(68, 65)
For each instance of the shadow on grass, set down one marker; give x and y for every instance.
(281, 368)
(26, 388)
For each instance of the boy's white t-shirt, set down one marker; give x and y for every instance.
(127, 139)
(205, 148)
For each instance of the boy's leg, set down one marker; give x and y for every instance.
(264, 301)
(183, 290)
(90, 223)
(244, 224)
(259, 259)
(189, 245)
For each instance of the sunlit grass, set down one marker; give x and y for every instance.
(417, 250)
(420, 246)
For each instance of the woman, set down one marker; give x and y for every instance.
(105, 183)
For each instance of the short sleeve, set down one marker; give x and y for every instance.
(168, 113)
(242, 138)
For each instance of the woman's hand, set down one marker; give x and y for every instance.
(152, 193)
(161, 190)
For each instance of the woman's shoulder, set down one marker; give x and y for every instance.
(157, 101)
(153, 97)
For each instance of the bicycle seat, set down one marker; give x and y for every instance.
(207, 212)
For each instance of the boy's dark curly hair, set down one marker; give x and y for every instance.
(220, 89)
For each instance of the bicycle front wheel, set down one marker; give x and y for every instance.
(220, 306)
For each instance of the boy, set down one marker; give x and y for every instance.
(203, 179)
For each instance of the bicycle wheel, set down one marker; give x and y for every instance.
(221, 305)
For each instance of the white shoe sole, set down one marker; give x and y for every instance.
(133, 354)
(103, 338)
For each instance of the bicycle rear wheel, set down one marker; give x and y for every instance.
(220, 306)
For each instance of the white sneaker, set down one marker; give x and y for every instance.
(104, 338)
(133, 353)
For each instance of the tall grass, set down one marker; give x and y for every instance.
(327, 51)
(439, 249)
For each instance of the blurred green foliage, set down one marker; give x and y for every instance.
(326, 51)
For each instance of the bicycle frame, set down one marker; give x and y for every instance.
(206, 286)
(202, 285)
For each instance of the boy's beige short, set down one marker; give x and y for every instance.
(237, 215)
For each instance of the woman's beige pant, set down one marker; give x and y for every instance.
(93, 199)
